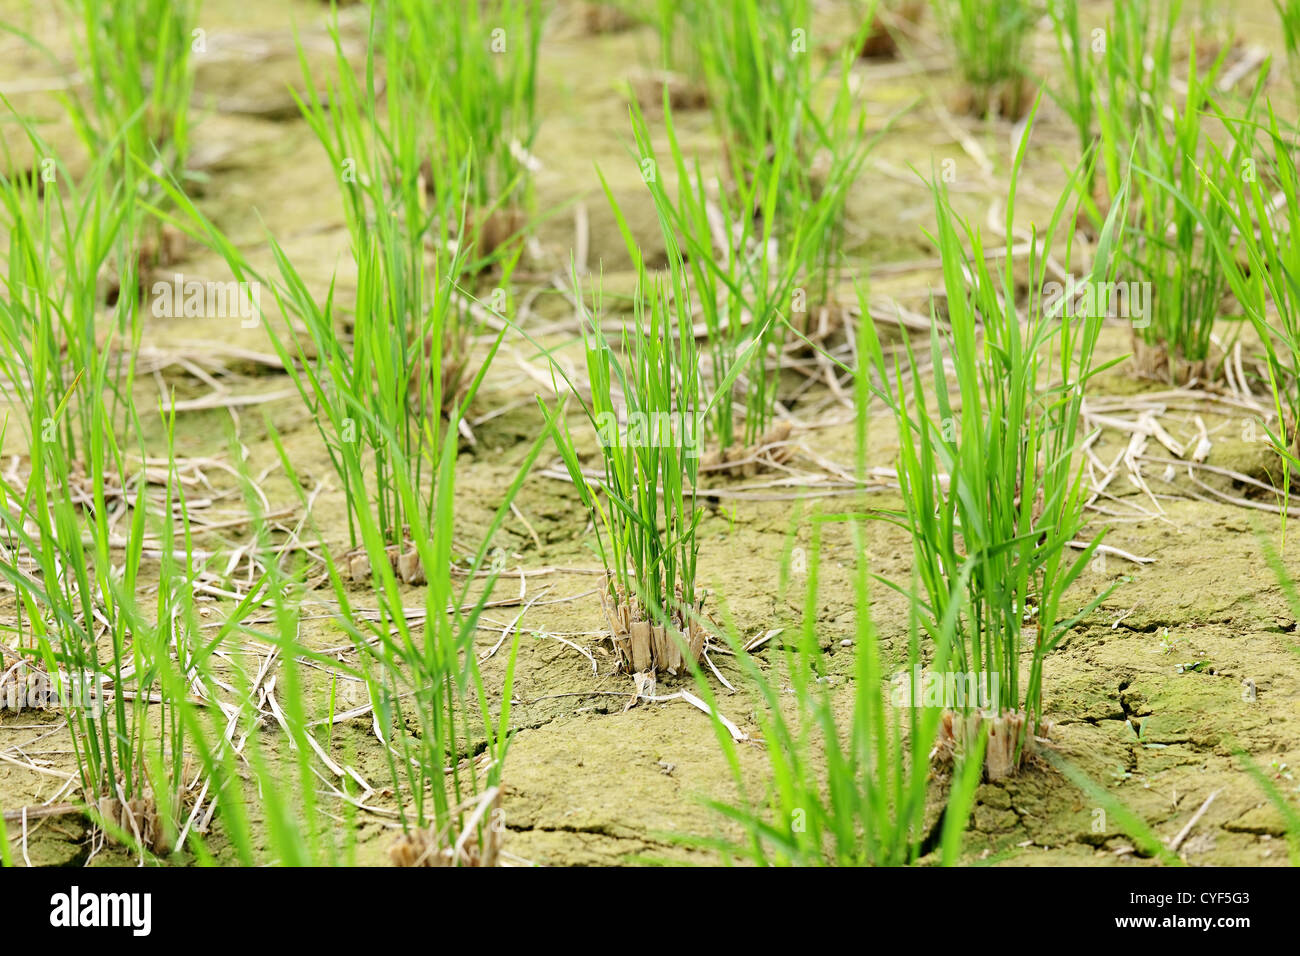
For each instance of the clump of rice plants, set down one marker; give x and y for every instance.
(443, 748)
(133, 105)
(116, 669)
(646, 411)
(1172, 254)
(223, 738)
(1249, 216)
(409, 202)
(730, 268)
(1170, 144)
(779, 118)
(988, 40)
(396, 461)
(990, 489)
(136, 58)
(472, 69)
(70, 372)
(754, 277)
(759, 73)
(442, 119)
(848, 788)
(76, 566)
(675, 75)
(1136, 83)
(376, 396)
(1077, 95)
(756, 66)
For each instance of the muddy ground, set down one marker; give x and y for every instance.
(1150, 694)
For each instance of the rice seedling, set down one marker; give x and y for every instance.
(718, 274)
(115, 670)
(68, 380)
(1248, 214)
(988, 40)
(473, 69)
(1169, 142)
(409, 203)
(726, 279)
(759, 75)
(771, 109)
(1077, 95)
(134, 58)
(396, 464)
(646, 412)
(676, 61)
(850, 786)
(221, 727)
(1288, 14)
(765, 249)
(80, 636)
(405, 158)
(755, 277)
(422, 671)
(376, 396)
(71, 373)
(990, 480)
(1136, 82)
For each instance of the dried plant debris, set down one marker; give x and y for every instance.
(682, 92)
(601, 18)
(455, 844)
(773, 448)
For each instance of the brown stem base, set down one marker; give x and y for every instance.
(647, 648)
(450, 846)
(957, 732)
(1009, 99)
(683, 93)
(1158, 362)
(405, 563)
